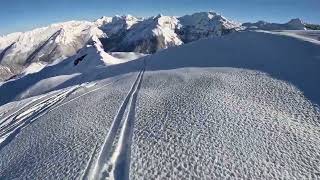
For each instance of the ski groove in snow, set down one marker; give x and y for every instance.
(11, 126)
(87, 170)
(120, 156)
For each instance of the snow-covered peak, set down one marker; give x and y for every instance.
(119, 24)
(153, 34)
(119, 33)
(94, 55)
(103, 20)
(210, 19)
(166, 21)
(295, 21)
(72, 29)
(165, 26)
(68, 32)
(125, 18)
(293, 24)
(158, 16)
(204, 25)
(296, 24)
(197, 17)
(129, 17)
(160, 32)
(46, 44)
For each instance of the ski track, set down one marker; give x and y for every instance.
(90, 162)
(11, 115)
(14, 123)
(119, 159)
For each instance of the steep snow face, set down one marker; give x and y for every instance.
(128, 33)
(160, 32)
(46, 44)
(103, 21)
(119, 33)
(294, 24)
(95, 52)
(38, 78)
(153, 34)
(90, 57)
(205, 24)
(34, 68)
(117, 24)
(156, 26)
(5, 73)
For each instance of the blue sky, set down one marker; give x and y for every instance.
(22, 15)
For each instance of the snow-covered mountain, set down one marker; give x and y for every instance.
(160, 32)
(242, 106)
(293, 24)
(117, 24)
(119, 33)
(41, 46)
(146, 36)
(57, 41)
(203, 25)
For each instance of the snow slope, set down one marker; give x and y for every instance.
(127, 56)
(205, 25)
(89, 61)
(57, 41)
(195, 111)
(307, 35)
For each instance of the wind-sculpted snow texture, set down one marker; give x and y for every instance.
(218, 123)
(195, 111)
(60, 143)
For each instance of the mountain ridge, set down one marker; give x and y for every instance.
(125, 33)
(119, 33)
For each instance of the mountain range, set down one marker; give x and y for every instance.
(42, 46)
(194, 97)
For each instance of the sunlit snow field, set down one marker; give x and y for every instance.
(245, 106)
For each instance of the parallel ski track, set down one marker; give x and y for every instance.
(120, 158)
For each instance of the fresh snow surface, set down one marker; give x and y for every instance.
(307, 35)
(127, 56)
(195, 111)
